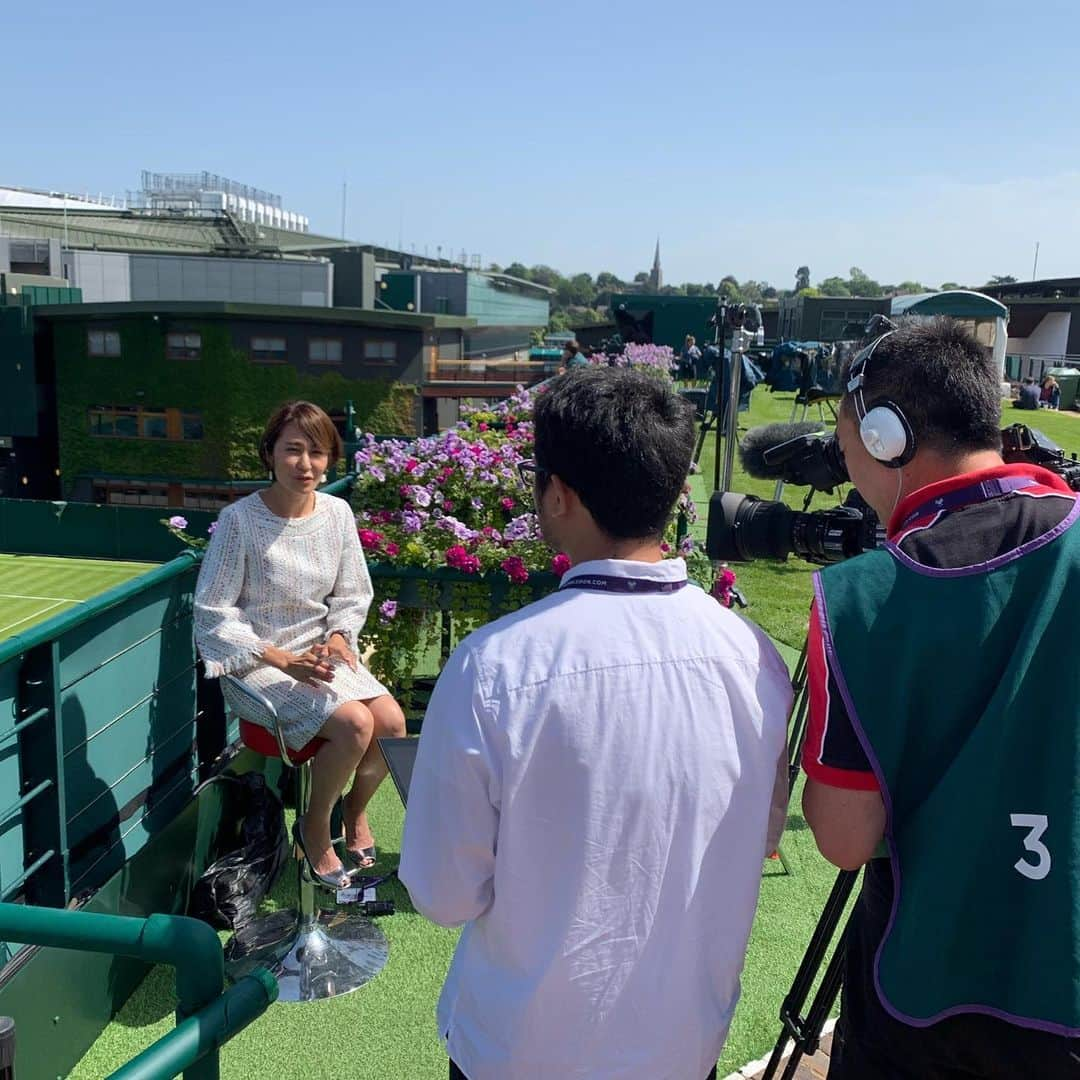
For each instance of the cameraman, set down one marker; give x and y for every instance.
(943, 721)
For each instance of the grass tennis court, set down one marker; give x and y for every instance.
(37, 587)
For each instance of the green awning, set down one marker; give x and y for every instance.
(959, 303)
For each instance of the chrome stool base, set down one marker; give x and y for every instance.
(336, 953)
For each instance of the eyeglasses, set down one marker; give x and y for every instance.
(531, 474)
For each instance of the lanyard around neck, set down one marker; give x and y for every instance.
(967, 496)
(614, 583)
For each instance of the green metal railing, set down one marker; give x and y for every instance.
(206, 1015)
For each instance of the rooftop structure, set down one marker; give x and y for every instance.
(204, 192)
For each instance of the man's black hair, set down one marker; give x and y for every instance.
(622, 440)
(946, 383)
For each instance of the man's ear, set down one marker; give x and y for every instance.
(561, 499)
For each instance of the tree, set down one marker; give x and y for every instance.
(494, 268)
(516, 269)
(831, 286)
(809, 291)
(802, 278)
(947, 285)
(751, 291)
(641, 278)
(908, 288)
(861, 284)
(576, 291)
(1002, 279)
(545, 275)
(606, 280)
(729, 287)
(768, 292)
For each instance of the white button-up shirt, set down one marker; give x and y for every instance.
(591, 798)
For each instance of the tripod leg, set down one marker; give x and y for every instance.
(803, 1031)
(819, 1010)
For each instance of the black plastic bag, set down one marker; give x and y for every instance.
(229, 892)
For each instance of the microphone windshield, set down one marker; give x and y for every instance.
(765, 451)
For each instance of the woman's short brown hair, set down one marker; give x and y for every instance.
(311, 420)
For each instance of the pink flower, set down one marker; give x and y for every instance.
(392, 549)
(481, 426)
(458, 558)
(560, 564)
(723, 586)
(370, 540)
(516, 570)
(665, 548)
(411, 465)
(448, 505)
(507, 503)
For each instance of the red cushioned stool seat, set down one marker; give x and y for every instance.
(263, 741)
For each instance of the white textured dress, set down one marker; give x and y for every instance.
(289, 582)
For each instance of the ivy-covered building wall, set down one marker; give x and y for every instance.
(182, 398)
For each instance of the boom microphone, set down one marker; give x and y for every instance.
(765, 451)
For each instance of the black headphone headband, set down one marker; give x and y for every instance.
(856, 384)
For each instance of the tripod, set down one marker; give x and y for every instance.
(805, 1030)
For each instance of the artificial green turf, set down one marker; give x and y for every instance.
(36, 587)
(386, 1030)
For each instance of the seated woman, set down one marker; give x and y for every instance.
(1050, 393)
(282, 593)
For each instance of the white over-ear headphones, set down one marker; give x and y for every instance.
(883, 427)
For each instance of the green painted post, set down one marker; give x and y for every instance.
(195, 1042)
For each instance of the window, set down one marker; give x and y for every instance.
(211, 498)
(324, 350)
(380, 352)
(268, 350)
(183, 346)
(144, 422)
(103, 342)
(191, 426)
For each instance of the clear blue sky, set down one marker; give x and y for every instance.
(932, 141)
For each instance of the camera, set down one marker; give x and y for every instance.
(742, 528)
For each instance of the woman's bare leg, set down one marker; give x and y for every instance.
(388, 722)
(348, 739)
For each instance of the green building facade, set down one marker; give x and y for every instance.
(163, 404)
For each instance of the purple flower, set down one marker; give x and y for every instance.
(388, 610)
(421, 496)
(177, 522)
(212, 529)
(523, 527)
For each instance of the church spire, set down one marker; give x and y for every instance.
(656, 278)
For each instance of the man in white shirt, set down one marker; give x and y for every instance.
(598, 774)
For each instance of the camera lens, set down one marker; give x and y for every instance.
(744, 527)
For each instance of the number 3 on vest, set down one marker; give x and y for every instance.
(1037, 823)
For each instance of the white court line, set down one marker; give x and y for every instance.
(36, 615)
(23, 596)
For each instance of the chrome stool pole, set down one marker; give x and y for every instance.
(313, 952)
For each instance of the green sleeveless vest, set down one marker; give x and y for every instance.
(964, 689)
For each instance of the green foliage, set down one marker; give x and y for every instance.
(233, 395)
(802, 279)
(1002, 279)
(833, 286)
(947, 285)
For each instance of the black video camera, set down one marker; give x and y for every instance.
(742, 528)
